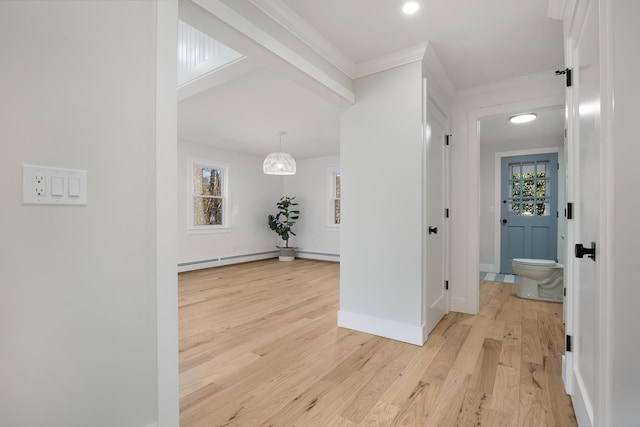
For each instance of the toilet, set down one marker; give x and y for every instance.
(541, 279)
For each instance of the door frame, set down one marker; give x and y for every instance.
(498, 200)
(473, 219)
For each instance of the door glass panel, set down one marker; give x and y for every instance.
(529, 185)
(528, 170)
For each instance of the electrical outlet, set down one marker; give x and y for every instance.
(39, 185)
(53, 186)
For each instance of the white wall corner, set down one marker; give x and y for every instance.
(381, 327)
(436, 69)
(392, 60)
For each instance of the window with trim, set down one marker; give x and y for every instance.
(335, 198)
(208, 204)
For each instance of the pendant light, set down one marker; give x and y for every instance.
(279, 163)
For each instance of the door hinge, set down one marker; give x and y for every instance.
(446, 285)
(565, 292)
(557, 214)
(569, 344)
(446, 213)
(569, 211)
(447, 139)
(558, 166)
(567, 72)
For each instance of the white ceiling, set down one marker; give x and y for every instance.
(549, 125)
(478, 42)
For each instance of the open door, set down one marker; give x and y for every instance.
(583, 355)
(436, 233)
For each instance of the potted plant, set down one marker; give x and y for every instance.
(282, 222)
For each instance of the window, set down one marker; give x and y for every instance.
(335, 194)
(529, 183)
(208, 201)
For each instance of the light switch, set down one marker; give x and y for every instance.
(42, 185)
(57, 186)
(74, 187)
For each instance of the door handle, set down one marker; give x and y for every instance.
(433, 230)
(504, 221)
(581, 251)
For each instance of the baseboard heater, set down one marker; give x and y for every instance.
(232, 259)
(321, 256)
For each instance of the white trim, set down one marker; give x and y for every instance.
(209, 164)
(582, 406)
(166, 200)
(331, 197)
(381, 327)
(391, 60)
(498, 190)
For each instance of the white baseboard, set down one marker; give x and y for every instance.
(319, 256)
(581, 403)
(381, 327)
(489, 268)
(217, 262)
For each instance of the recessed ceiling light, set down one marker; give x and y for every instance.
(523, 118)
(411, 7)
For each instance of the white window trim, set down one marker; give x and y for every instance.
(331, 192)
(204, 229)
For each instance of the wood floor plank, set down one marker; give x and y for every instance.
(259, 346)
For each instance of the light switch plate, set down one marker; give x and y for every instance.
(53, 186)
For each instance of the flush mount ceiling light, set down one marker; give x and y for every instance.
(411, 7)
(523, 118)
(279, 163)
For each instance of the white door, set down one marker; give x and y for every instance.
(435, 176)
(584, 288)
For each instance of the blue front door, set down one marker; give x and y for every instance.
(529, 215)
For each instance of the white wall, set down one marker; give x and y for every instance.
(381, 235)
(489, 215)
(624, 226)
(252, 196)
(518, 95)
(77, 284)
(315, 238)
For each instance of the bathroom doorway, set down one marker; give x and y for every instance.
(500, 139)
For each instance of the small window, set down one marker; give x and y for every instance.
(335, 192)
(529, 183)
(208, 204)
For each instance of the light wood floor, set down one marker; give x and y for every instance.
(259, 346)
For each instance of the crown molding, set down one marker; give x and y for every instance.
(391, 60)
(292, 22)
(438, 72)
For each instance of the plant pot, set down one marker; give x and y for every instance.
(287, 253)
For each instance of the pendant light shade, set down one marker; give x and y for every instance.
(279, 163)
